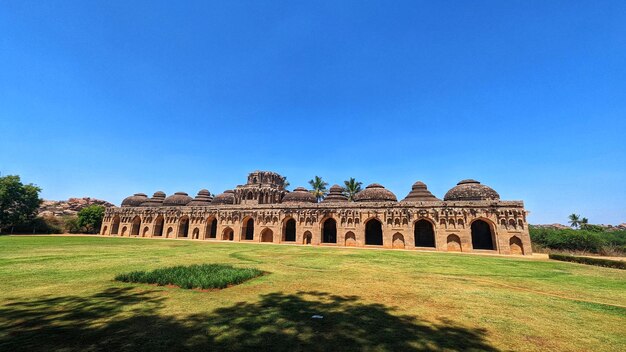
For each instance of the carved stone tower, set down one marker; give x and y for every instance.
(263, 187)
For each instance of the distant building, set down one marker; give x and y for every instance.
(470, 218)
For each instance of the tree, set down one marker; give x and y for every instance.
(71, 225)
(351, 188)
(90, 218)
(574, 220)
(285, 183)
(584, 224)
(18, 202)
(318, 188)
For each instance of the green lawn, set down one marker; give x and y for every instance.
(59, 293)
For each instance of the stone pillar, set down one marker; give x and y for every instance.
(387, 232)
(466, 239)
(409, 236)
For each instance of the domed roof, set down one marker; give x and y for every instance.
(335, 195)
(203, 198)
(135, 200)
(156, 200)
(471, 190)
(420, 193)
(177, 199)
(204, 192)
(299, 195)
(228, 197)
(375, 193)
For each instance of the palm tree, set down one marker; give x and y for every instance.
(318, 188)
(583, 223)
(285, 183)
(351, 188)
(574, 220)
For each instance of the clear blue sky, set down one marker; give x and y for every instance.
(108, 98)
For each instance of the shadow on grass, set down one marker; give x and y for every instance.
(122, 319)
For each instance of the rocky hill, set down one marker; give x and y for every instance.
(69, 207)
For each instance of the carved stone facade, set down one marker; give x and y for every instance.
(470, 218)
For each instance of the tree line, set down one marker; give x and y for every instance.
(19, 205)
(581, 237)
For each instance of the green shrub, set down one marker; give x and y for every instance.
(71, 224)
(589, 261)
(616, 238)
(592, 238)
(203, 276)
(39, 225)
(568, 239)
(592, 228)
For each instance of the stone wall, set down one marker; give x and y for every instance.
(455, 225)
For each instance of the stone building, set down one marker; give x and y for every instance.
(471, 217)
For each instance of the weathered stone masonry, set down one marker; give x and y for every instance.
(470, 218)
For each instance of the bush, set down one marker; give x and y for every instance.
(203, 276)
(47, 224)
(589, 261)
(590, 239)
(568, 239)
(71, 224)
(592, 228)
(616, 238)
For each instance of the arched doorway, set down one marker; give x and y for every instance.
(398, 241)
(115, 227)
(136, 226)
(453, 243)
(170, 232)
(267, 235)
(248, 229)
(516, 246)
(158, 226)
(306, 239)
(104, 230)
(482, 236)
(211, 228)
(228, 234)
(145, 231)
(195, 234)
(424, 234)
(290, 231)
(124, 230)
(329, 231)
(183, 227)
(374, 233)
(350, 239)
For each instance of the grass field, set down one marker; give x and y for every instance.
(59, 293)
